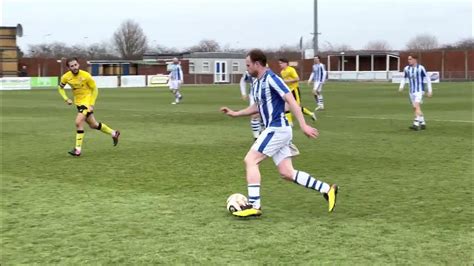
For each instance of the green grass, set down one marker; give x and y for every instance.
(159, 197)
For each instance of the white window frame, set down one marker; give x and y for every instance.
(236, 64)
(208, 67)
(192, 67)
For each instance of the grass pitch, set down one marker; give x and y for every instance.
(159, 197)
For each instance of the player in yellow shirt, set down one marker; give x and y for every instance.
(85, 93)
(291, 79)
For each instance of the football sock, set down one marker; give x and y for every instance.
(422, 120)
(304, 179)
(306, 111)
(254, 195)
(316, 99)
(106, 129)
(416, 122)
(320, 100)
(79, 139)
(255, 125)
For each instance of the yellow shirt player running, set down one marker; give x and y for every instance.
(291, 79)
(85, 93)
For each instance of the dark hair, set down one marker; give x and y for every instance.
(317, 56)
(413, 56)
(257, 55)
(284, 60)
(69, 60)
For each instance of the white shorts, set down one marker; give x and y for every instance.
(174, 84)
(275, 142)
(416, 97)
(318, 86)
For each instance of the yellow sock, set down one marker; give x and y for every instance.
(306, 111)
(289, 117)
(79, 139)
(104, 128)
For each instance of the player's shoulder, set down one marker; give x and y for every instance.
(67, 75)
(84, 74)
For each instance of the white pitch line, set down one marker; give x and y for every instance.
(399, 119)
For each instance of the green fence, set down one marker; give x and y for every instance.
(44, 82)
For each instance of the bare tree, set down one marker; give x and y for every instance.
(378, 45)
(130, 40)
(422, 42)
(206, 46)
(342, 48)
(465, 44)
(161, 49)
(59, 50)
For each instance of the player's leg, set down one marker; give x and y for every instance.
(79, 122)
(306, 111)
(173, 90)
(102, 127)
(255, 125)
(286, 170)
(265, 145)
(418, 115)
(179, 97)
(255, 122)
(319, 96)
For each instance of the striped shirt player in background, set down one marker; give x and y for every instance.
(291, 78)
(176, 79)
(416, 75)
(255, 122)
(271, 95)
(318, 77)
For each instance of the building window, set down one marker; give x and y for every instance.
(191, 67)
(205, 67)
(235, 67)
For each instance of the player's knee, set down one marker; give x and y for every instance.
(250, 160)
(286, 173)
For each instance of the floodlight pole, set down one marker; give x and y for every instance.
(315, 32)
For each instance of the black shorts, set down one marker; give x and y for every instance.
(297, 94)
(83, 110)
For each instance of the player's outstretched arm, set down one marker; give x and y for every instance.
(251, 110)
(63, 94)
(296, 111)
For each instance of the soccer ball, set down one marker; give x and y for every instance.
(235, 202)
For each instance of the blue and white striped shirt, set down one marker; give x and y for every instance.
(319, 73)
(416, 75)
(247, 77)
(268, 92)
(176, 72)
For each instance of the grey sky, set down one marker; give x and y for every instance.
(240, 23)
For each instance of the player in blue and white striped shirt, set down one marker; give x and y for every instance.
(318, 77)
(416, 75)
(176, 79)
(255, 122)
(271, 94)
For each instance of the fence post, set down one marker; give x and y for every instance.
(465, 65)
(442, 64)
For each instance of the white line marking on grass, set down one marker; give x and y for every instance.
(399, 119)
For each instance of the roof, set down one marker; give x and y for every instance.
(197, 55)
(220, 55)
(363, 53)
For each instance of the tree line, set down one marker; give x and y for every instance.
(130, 42)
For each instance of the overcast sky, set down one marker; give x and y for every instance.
(240, 23)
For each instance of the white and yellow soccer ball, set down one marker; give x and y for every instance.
(235, 202)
